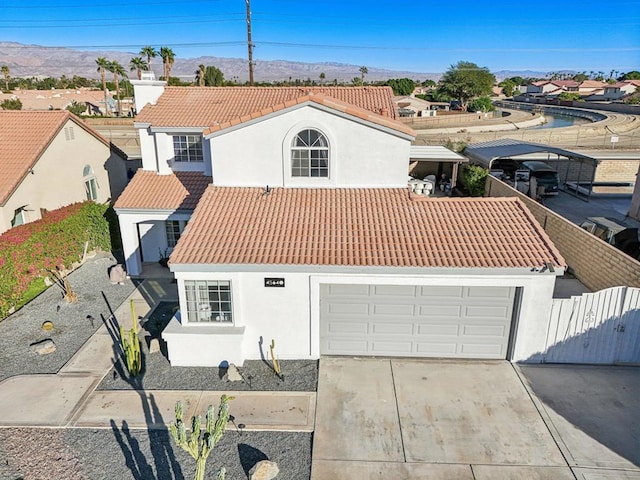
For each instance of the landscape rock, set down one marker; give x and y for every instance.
(44, 347)
(154, 345)
(117, 274)
(264, 470)
(232, 375)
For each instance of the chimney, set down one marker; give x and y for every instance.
(147, 90)
(384, 111)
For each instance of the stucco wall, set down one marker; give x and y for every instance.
(57, 178)
(291, 315)
(595, 263)
(259, 154)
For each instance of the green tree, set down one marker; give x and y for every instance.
(103, 63)
(580, 77)
(322, 77)
(363, 71)
(465, 81)
(357, 81)
(77, 108)
(7, 75)
(148, 52)
(118, 73)
(632, 75)
(168, 59)
(481, 104)
(11, 104)
(213, 77)
(508, 87)
(474, 178)
(138, 64)
(402, 86)
(429, 83)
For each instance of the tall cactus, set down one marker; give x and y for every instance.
(199, 444)
(131, 345)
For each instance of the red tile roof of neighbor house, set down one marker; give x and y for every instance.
(361, 227)
(150, 191)
(24, 137)
(208, 106)
(320, 99)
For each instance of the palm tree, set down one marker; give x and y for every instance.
(148, 52)
(103, 65)
(200, 74)
(118, 72)
(363, 72)
(168, 58)
(7, 75)
(138, 64)
(322, 77)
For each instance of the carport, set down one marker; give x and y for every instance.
(433, 160)
(576, 171)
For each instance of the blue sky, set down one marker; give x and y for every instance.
(415, 35)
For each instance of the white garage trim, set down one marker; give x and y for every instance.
(416, 321)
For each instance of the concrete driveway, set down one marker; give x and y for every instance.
(407, 419)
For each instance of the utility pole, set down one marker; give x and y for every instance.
(249, 43)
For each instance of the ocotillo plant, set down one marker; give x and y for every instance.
(274, 360)
(131, 345)
(199, 444)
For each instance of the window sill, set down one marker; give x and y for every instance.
(175, 327)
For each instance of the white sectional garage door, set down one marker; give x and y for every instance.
(415, 321)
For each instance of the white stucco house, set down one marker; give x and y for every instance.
(288, 217)
(50, 159)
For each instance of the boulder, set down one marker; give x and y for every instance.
(44, 347)
(154, 345)
(232, 375)
(117, 274)
(264, 470)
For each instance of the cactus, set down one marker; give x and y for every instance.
(131, 345)
(199, 444)
(274, 361)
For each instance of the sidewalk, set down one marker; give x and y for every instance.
(69, 398)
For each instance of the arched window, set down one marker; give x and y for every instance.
(90, 184)
(310, 154)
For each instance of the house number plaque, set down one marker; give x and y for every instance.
(274, 282)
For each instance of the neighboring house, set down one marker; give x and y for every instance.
(60, 99)
(301, 228)
(552, 87)
(409, 106)
(50, 159)
(619, 90)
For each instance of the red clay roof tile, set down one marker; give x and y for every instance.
(178, 191)
(361, 227)
(24, 137)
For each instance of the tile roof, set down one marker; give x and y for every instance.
(209, 106)
(24, 137)
(361, 227)
(320, 99)
(148, 191)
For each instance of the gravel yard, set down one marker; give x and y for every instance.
(73, 323)
(120, 453)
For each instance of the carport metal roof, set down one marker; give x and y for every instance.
(434, 153)
(484, 153)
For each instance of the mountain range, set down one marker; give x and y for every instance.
(38, 61)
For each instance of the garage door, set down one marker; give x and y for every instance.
(415, 321)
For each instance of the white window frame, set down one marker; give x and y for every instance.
(19, 217)
(309, 149)
(173, 230)
(188, 149)
(90, 183)
(207, 302)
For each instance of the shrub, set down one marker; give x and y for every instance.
(474, 178)
(30, 251)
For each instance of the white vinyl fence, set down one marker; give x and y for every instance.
(595, 328)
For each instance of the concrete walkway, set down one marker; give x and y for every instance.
(70, 399)
(406, 419)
